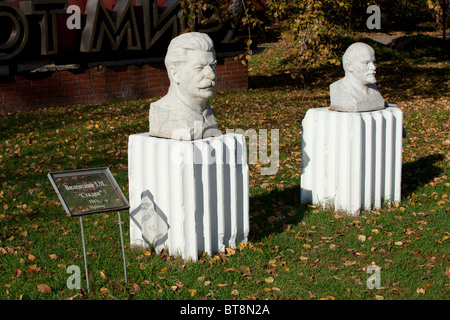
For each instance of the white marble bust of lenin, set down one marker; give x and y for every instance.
(357, 91)
(184, 112)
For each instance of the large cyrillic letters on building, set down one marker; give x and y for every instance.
(38, 30)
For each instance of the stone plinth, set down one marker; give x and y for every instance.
(351, 161)
(188, 196)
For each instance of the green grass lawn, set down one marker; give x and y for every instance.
(294, 251)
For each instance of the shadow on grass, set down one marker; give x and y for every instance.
(420, 172)
(270, 213)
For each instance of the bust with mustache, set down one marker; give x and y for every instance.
(357, 91)
(184, 112)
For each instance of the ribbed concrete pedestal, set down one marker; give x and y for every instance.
(188, 196)
(351, 161)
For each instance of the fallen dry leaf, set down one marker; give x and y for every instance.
(164, 270)
(136, 287)
(43, 288)
(302, 258)
(192, 292)
(222, 284)
(349, 263)
(104, 290)
(328, 298)
(230, 251)
(361, 237)
(269, 279)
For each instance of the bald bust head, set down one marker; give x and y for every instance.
(359, 64)
(357, 91)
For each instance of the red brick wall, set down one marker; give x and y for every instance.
(99, 85)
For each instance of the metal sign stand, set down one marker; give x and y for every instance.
(123, 250)
(85, 257)
(69, 186)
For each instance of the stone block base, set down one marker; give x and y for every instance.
(351, 161)
(188, 196)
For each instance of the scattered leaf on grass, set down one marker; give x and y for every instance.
(104, 290)
(43, 288)
(269, 280)
(349, 263)
(136, 287)
(230, 251)
(192, 292)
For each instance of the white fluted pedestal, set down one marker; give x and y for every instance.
(351, 161)
(188, 196)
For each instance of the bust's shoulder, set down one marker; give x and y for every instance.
(166, 108)
(164, 103)
(343, 84)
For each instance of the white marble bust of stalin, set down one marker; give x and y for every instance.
(184, 112)
(357, 91)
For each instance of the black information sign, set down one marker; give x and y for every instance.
(88, 191)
